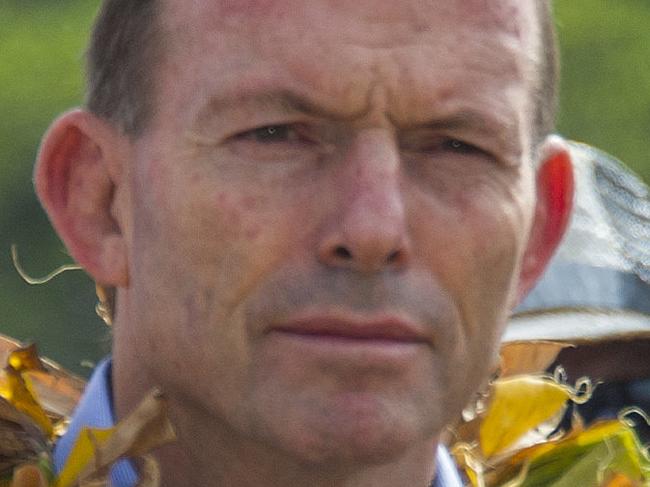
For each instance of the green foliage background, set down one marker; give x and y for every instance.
(605, 102)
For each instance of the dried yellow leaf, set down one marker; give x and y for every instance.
(17, 391)
(529, 357)
(53, 389)
(82, 454)
(519, 404)
(57, 390)
(591, 458)
(25, 358)
(95, 450)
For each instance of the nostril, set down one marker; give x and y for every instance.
(393, 257)
(342, 253)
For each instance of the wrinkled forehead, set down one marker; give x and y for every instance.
(383, 20)
(414, 52)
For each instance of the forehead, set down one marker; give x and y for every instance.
(500, 11)
(341, 48)
(387, 22)
(420, 14)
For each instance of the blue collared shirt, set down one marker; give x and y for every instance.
(447, 475)
(95, 410)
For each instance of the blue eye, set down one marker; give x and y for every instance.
(280, 142)
(269, 134)
(455, 145)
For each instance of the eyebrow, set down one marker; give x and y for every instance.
(475, 121)
(500, 128)
(283, 100)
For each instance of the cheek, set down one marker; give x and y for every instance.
(480, 274)
(473, 237)
(227, 226)
(218, 237)
(199, 219)
(241, 215)
(495, 230)
(477, 229)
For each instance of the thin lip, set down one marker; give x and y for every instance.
(326, 326)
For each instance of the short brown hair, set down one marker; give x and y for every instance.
(125, 49)
(121, 59)
(546, 89)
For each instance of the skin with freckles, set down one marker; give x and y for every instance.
(318, 238)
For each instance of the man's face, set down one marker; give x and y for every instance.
(328, 213)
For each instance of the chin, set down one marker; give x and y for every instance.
(356, 431)
(350, 449)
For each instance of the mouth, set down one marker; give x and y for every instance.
(379, 343)
(354, 330)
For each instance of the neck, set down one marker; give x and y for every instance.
(208, 454)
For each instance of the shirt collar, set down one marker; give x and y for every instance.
(446, 472)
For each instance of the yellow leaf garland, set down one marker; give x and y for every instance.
(519, 404)
(16, 387)
(511, 438)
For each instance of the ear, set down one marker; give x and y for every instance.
(552, 211)
(78, 176)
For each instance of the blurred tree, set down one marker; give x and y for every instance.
(606, 77)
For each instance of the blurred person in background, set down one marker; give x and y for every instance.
(595, 294)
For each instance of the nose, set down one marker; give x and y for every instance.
(368, 232)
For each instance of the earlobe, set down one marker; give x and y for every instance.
(78, 176)
(555, 188)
